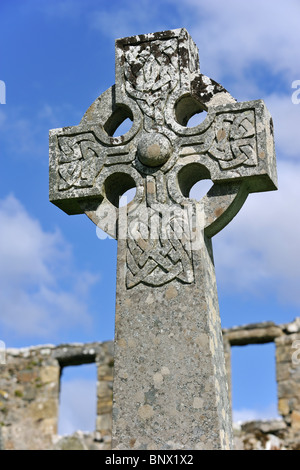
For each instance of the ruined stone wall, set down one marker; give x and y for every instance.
(288, 381)
(30, 383)
(272, 434)
(29, 395)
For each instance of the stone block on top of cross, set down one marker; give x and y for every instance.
(170, 387)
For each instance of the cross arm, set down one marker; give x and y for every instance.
(234, 143)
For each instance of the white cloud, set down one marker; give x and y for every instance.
(39, 285)
(127, 18)
(232, 34)
(259, 250)
(286, 117)
(18, 123)
(62, 9)
(78, 404)
(32, 128)
(2, 118)
(248, 414)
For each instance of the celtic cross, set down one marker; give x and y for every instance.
(170, 386)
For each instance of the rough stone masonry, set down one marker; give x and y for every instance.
(170, 387)
(30, 383)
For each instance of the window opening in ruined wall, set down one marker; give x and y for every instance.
(254, 389)
(78, 399)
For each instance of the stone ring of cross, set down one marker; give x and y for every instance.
(159, 87)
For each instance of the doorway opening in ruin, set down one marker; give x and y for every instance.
(78, 399)
(253, 378)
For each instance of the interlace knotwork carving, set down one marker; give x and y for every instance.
(230, 139)
(235, 140)
(151, 74)
(161, 257)
(82, 157)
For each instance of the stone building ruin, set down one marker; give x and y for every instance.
(29, 396)
(30, 387)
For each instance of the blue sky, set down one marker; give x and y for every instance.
(57, 277)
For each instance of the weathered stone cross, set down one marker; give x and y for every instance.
(170, 386)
